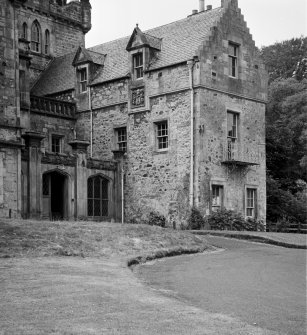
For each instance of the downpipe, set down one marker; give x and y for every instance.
(91, 120)
(190, 64)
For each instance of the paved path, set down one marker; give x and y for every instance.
(260, 284)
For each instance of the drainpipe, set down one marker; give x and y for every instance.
(91, 119)
(190, 64)
(123, 195)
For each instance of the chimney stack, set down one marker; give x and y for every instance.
(209, 7)
(201, 5)
(194, 11)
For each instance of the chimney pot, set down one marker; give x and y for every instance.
(201, 5)
(194, 11)
(209, 7)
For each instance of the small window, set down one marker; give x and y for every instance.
(232, 125)
(121, 138)
(162, 135)
(56, 144)
(251, 199)
(217, 197)
(138, 65)
(35, 37)
(83, 80)
(47, 42)
(22, 86)
(233, 51)
(24, 32)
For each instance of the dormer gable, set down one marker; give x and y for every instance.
(143, 49)
(84, 56)
(139, 39)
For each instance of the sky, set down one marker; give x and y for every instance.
(269, 21)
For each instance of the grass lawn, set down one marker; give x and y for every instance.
(43, 291)
(20, 238)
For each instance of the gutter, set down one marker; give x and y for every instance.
(190, 64)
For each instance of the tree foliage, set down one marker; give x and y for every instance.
(286, 130)
(286, 59)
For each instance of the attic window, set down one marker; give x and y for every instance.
(138, 65)
(233, 51)
(83, 79)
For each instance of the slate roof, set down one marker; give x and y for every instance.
(58, 77)
(180, 41)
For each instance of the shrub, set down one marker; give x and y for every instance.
(156, 219)
(196, 221)
(230, 220)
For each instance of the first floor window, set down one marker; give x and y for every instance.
(217, 197)
(251, 198)
(162, 135)
(232, 124)
(97, 197)
(83, 80)
(56, 144)
(121, 138)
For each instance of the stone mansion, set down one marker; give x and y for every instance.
(162, 120)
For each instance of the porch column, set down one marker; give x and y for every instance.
(33, 145)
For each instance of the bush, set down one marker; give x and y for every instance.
(156, 219)
(230, 220)
(196, 221)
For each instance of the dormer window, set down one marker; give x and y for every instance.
(138, 65)
(83, 79)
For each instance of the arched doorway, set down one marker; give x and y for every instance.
(55, 195)
(97, 197)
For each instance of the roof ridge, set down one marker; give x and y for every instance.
(163, 25)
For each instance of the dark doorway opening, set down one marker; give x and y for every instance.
(57, 196)
(54, 196)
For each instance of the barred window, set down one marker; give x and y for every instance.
(138, 65)
(97, 197)
(162, 135)
(251, 198)
(35, 37)
(121, 137)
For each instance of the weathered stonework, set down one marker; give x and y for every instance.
(162, 131)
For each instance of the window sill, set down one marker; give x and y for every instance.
(161, 152)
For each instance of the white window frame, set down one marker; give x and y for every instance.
(234, 125)
(83, 80)
(162, 135)
(138, 68)
(121, 138)
(251, 202)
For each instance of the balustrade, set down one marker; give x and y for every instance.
(53, 107)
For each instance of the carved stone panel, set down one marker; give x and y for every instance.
(138, 97)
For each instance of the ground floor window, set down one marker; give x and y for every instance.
(217, 197)
(251, 198)
(97, 194)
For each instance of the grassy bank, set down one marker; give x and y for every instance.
(25, 238)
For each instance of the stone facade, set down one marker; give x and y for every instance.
(166, 120)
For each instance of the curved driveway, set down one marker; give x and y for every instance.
(260, 284)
